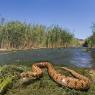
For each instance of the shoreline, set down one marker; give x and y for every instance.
(14, 49)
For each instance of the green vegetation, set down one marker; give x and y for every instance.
(6, 82)
(91, 40)
(42, 86)
(8, 74)
(20, 35)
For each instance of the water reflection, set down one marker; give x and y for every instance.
(82, 58)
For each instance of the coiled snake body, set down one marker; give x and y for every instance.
(78, 82)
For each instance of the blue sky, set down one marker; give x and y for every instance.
(75, 15)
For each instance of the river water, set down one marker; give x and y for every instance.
(71, 56)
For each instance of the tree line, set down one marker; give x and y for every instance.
(15, 34)
(91, 39)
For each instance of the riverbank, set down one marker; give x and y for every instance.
(14, 49)
(13, 86)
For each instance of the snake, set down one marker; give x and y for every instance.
(77, 82)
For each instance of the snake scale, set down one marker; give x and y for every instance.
(78, 82)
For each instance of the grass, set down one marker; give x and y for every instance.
(44, 85)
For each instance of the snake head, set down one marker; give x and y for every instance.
(23, 75)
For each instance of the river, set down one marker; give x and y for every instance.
(71, 56)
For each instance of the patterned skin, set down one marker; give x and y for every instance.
(78, 82)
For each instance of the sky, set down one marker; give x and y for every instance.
(75, 15)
